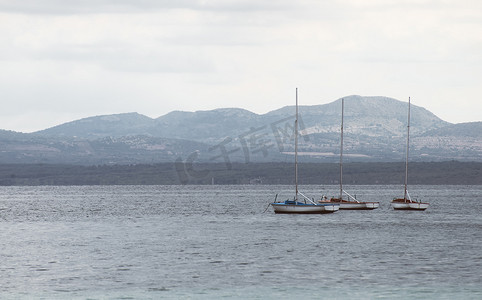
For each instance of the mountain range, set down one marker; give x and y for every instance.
(374, 127)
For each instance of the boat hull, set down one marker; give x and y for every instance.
(399, 205)
(301, 208)
(372, 205)
(359, 205)
(418, 206)
(354, 205)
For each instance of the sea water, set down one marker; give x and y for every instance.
(209, 242)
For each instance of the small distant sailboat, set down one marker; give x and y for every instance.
(406, 203)
(295, 206)
(352, 203)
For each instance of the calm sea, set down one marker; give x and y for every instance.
(209, 242)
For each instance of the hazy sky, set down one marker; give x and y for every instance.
(64, 60)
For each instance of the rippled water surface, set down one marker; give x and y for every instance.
(204, 242)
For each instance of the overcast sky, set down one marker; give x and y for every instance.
(64, 60)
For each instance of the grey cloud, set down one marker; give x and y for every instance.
(131, 58)
(59, 7)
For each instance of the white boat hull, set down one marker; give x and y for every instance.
(352, 205)
(409, 205)
(359, 205)
(372, 205)
(283, 208)
(418, 206)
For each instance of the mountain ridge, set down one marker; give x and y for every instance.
(375, 130)
(363, 108)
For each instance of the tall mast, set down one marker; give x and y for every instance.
(341, 149)
(296, 147)
(406, 158)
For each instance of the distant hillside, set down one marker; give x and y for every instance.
(205, 126)
(373, 116)
(472, 129)
(116, 150)
(102, 126)
(8, 134)
(375, 130)
(461, 141)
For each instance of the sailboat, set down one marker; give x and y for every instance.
(351, 203)
(296, 206)
(406, 203)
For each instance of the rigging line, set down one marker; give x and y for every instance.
(275, 197)
(266, 208)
